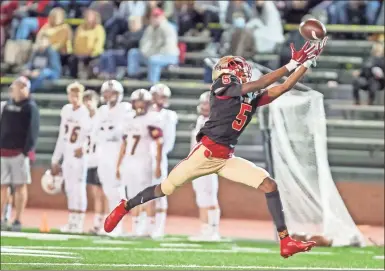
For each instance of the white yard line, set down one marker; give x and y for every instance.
(179, 245)
(35, 251)
(379, 257)
(167, 249)
(42, 236)
(38, 255)
(114, 242)
(217, 267)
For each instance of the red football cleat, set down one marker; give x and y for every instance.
(289, 246)
(115, 216)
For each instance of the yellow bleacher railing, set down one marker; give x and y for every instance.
(290, 27)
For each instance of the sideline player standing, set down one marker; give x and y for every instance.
(101, 209)
(233, 102)
(75, 127)
(19, 129)
(160, 97)
(206, 187)
(108, 132)
(135, 156)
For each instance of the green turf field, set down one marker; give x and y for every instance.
(58, 251)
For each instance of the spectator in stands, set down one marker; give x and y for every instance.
(73, 8)
(7, 9)
(238, 8)
(106, 9)
(371, 76)
(119, 23)
(44, 64)
(151, 5)
(88, 44)
(30, 17)
(380, 14)
(267, 26)
(158, 48)
(19, 129)
(353, 12)
(238, 40)
(294, 10)
(58, 32)
(112, 58)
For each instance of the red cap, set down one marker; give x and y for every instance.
(157, 12)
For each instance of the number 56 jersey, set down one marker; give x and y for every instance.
(75, 127)
(230, 111)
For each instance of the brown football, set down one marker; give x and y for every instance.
(312, 29)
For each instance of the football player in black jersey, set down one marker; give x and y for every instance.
(233, 101)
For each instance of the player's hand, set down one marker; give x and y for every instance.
(307, 52)
(320, 46)
(158, 172)
(55, 169)
(78, 153)
(117, 174)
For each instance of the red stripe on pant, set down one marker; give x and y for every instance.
(191, 153)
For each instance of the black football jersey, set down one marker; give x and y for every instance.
(230, 112)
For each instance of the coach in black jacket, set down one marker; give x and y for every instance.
(19, 128)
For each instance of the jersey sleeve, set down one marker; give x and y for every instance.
(227, 86)
(59, 147)
(169, 132)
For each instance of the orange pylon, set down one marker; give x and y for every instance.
(44, 223)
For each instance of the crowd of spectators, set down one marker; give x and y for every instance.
(105, 35)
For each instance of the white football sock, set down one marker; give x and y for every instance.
(72, 219)
(98, 219)
(8, 211)
(80, 221)
(135, 224)
(160, 222)
(150, 225)
(213, 219)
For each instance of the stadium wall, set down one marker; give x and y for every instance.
(365, 200)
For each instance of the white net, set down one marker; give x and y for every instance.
(310, 198)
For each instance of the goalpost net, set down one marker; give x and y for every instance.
(311, 201)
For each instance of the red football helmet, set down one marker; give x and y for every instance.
(235, 65)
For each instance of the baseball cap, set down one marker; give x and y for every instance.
(157, 12)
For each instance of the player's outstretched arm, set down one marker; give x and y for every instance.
(276, 91)
(297, 58)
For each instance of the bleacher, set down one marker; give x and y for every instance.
(355, 133)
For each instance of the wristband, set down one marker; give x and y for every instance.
(291, 65)
(308, 63)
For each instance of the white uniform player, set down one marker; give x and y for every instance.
(136, 158)
(71, 146)
(109, 132)
(101, 208)
(169, 119)
(206, 187)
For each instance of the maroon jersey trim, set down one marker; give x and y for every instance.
(155, 132)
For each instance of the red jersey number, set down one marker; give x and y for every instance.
(241, 118)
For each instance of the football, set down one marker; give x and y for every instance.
(312, 29)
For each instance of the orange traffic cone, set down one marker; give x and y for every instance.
(44, 223)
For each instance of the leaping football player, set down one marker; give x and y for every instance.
(134, 166)
(160, 98)
(233, 101)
